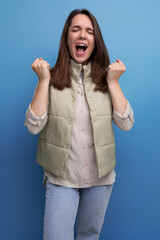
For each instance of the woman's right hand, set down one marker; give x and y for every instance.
(41, 68)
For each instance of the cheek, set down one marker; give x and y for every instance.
(93, 45)
(70, 44)
(92, 41)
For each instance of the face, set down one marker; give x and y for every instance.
(80, 38)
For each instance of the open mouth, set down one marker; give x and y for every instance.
(81, 47)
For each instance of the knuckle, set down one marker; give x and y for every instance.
(43, 65)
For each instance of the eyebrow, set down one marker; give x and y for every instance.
(77, 26)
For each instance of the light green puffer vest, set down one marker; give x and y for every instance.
(54, 139)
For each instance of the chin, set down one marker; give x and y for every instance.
(81, 61)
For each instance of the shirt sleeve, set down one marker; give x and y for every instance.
(34, 124)
(124, 121)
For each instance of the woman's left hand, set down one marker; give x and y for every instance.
(115, 70)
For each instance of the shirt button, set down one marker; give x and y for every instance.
(82, 130)
(84, 147)
(81, 111)
(86, 164)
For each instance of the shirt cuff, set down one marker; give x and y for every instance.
(128, 112)
(33, 119)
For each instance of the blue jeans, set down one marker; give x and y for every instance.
(62, 205)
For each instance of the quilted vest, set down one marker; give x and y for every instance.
(54, 139)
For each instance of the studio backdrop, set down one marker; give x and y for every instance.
(32, 29)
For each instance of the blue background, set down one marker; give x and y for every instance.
(31, 29)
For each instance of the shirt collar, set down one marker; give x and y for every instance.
(75, 69)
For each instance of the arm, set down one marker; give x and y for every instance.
(40, 99)
(115, 70)
(122, 112)
(118, 99)
(36, 114)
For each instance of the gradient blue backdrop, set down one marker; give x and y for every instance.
(31, 29)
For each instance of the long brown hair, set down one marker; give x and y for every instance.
(60, 77)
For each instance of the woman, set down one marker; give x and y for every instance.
(73, 108)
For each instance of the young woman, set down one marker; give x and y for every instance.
(73, 107)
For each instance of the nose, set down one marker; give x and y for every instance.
(82, 34)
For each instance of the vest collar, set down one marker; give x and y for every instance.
(75, 69)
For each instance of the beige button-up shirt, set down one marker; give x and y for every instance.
(82, 168)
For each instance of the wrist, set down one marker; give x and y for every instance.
(113, 83)
(44, 81)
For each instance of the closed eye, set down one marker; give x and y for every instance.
(76, 28)
(90, 32)
(87, 31)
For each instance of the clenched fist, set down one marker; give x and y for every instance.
(41, 68)
(115, 70)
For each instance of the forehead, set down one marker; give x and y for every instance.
(81, 20)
